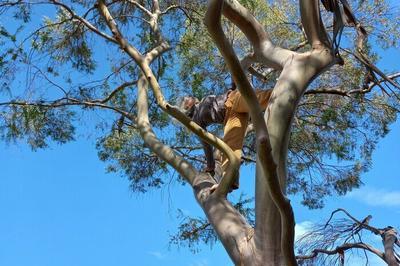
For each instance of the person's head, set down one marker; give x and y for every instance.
(186, 104)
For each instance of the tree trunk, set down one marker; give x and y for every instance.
(268, 224)
(235, 234)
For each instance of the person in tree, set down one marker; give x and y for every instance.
(229, 109)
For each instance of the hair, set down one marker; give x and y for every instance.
(181, 103)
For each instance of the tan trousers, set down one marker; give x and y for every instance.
(236, 121)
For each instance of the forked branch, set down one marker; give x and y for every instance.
(337, 236)
(213, 23)
(144, 62)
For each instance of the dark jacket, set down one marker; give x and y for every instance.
(210, 110)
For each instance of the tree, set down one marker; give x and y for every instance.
(293, 143)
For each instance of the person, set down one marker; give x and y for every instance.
(229, 109)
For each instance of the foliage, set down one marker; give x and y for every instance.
(127, 155)
(195, 230)
(37, 125)
(64, 39)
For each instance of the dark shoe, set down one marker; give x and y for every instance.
(235, 184)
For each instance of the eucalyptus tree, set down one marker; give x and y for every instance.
(127, 61)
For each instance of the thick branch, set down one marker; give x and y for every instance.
(313, 25)
(144, 64)
(213, 23)
(246, 22)
(163, 151)
(389, 239)
(232, 229)
(265, 50)
(84, 21)
(157, 51)
(142, 8)
(123, 43)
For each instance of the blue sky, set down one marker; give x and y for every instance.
(58, 207)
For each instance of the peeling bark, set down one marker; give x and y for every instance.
(231, 227)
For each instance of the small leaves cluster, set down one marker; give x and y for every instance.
(195, 230)
(65, 40)
(125, 153)
(37, 125)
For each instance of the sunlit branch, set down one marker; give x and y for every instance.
(143, 62)
(313, 25)
(123, 43)
(213, 23)
(142, 8)
(163, 151)
(84, 21)
(265, 50)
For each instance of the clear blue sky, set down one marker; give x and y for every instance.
(58, 207)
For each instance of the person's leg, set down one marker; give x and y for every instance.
(239, 104)
(263, 98)
(234, 131)
(235, 125)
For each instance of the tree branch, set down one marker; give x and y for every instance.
(361, 57)
(142, 8)
(84, 21)
(163, 151)
(389, 239)
(313, 25)
(70, 102)
(213, 24)
(144, 62)
(123, 43)
(322, 238)
(115, 91)
(341, 249)
(265, 50)
(364, 225)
